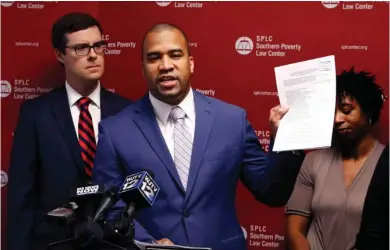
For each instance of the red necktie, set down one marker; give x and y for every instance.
(86, 135)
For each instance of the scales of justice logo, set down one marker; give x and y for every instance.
(330, 4)
(244, 45)
(163, 3)
(4, 178)
(6, 3)
(5, 88)
(244, 232)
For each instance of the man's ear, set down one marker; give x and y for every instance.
(192, 64)
(59, 56)
(142, 69)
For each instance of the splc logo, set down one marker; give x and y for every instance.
(163, 3)
(244, 45)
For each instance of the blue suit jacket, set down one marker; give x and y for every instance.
(45, 164)
(225, 150)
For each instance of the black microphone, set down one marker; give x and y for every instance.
(87, 198)
(138, 191)
(110, 198)
(84, 201)
(89, 203)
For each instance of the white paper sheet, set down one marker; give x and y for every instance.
(151, 246)
(308, 88)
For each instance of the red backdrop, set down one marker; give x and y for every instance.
(236, 47)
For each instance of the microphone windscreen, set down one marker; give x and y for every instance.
(88, 232)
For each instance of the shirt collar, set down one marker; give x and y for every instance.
(162, 109)
(74, 96)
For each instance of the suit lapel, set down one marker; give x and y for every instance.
(203, 125)
(61, 112)
(147, 123)
(106, 105)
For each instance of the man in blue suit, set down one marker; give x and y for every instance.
(55, 137)
(198, 149)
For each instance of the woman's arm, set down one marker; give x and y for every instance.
(298, 208)
(297, 226)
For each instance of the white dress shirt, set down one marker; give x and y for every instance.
(162, 111)
(94, 107)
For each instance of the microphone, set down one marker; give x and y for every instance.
(87, 231)
(89, 205)
(64, 215)
(87, 198)
(110, 198)
(138, 191)
(82, 208)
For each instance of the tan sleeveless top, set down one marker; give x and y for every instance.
(320, 193)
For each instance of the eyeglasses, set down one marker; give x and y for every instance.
(83, 49)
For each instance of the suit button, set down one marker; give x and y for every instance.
(186, 214)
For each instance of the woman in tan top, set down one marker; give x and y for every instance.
(324, 210)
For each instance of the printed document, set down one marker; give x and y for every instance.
(308, 88)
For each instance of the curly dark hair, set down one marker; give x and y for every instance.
(362, 87)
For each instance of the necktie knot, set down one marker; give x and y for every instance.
(177, 113)
(83, 103)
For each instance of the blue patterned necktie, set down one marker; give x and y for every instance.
(182, 144)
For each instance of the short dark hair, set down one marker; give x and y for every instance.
(363, 88)
(69, 23)
(164, 26)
